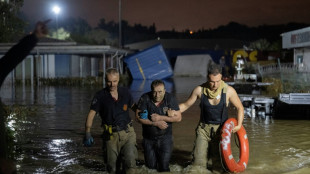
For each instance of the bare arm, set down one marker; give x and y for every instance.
(196, 93)
(159, 124)
(89, 120)
(173, 116)
(235, 100)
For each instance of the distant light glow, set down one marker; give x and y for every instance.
(56, 9)
(191, 32)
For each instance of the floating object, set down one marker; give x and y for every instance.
(151, 63)
(225, 147)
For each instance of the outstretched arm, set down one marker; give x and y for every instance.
(173, 116)
(191, 99)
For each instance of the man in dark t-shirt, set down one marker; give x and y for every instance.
(156, 111)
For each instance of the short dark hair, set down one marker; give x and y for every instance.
(109, 71)
(214, 69)
(112, 71)
(156, 83)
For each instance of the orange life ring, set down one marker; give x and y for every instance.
(225, 147)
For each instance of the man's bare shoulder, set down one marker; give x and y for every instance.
(231, 90)
(196, 92)
(198, 89)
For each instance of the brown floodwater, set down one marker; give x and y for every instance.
(51, 140)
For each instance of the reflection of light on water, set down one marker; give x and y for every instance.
(40, 170)
(11, 121)
(64, 164)
(58, 145)
(13, 124)
(17, 167)
(20, 157)
(60, 142)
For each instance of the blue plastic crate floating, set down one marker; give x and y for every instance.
(151, 63)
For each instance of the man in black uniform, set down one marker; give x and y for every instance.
(113, 104)
(156, 111)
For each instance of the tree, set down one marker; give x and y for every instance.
(11, 26)
(60, 34)
(261, 44)
(76, 26)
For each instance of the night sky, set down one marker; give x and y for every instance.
(176, 14)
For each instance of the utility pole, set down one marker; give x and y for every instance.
(120, 24)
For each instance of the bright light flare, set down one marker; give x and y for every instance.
(56, 9)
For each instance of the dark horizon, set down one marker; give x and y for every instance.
(176, 14)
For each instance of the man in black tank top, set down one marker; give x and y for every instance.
(215, 95)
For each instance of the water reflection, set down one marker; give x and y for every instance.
(51, 140)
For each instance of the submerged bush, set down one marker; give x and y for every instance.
(14, 114)
(78, 81)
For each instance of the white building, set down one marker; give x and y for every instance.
(64, 59)
(299, 40)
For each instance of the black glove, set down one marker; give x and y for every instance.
(88, 140)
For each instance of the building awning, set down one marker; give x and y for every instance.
(63, 48)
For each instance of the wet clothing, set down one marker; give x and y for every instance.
(208, 132)
(207, 140)
(119, 135)
(157, 143)
(213, 114)
(157, 152)
(122, 147)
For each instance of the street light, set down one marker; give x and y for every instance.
(56, 10)
(120, 24)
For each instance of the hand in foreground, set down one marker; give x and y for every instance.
(236, 128)
(171, 112)
(161, 124)
(88, 140)
(41, 29)
(156, 117)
